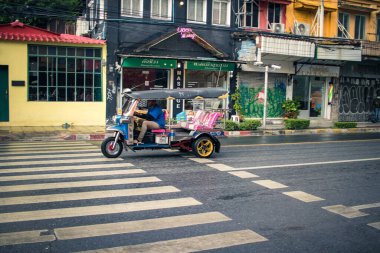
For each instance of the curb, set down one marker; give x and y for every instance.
(302, 131)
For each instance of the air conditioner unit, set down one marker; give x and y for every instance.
(302, 29)
(278, 28)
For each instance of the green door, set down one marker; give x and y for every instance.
(4, 97)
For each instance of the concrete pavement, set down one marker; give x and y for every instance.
(43, 133)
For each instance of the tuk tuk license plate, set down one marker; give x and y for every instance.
(162, 140)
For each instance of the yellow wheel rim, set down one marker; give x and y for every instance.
(205, 147)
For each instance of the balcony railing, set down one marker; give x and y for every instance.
(371, 48)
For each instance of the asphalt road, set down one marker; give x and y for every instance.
(260, 194)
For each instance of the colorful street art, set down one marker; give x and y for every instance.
(252, 100)
(355, 98)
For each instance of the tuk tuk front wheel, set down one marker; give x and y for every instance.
(110, 152)
(203, 147)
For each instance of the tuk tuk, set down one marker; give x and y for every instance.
(197, 134)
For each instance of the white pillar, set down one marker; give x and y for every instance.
(265, 96)
(321, 20)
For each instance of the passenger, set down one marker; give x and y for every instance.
(155, 119)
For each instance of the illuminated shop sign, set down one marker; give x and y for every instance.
(186, 33)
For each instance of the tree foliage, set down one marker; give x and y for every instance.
(38, 12)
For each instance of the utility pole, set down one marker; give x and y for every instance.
(321, 18)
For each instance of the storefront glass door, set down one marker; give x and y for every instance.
(309, 91)
(317, 88)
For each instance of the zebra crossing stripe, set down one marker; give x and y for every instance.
(73, 175)
(96, 210)
(71, 167)
(39, 143)
(269, 184)
(201, 160)
(139, 225)
(243, 174)
(191, 244)
(50, 156)
(87, 195)
(34, 146)
(38, 152)
(375, 225)
(76, 184)
(303, 196)
(25, 237)
(23, 149)
(76, 160)
(345, 211)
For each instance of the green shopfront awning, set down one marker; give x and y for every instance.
(151, 63)
(210, 66)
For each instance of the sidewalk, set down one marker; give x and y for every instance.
(96, 133)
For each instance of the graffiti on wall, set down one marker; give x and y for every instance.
(355, 98)
(252, 100)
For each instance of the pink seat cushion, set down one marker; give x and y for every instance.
(158, 130)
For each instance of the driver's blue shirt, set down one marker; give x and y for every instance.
(157, 115)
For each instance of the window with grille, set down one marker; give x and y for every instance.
(360, 27)
(249, 13)
(274, 14)
(344, 20)
(132, 8)
(196, 11)
(161, 9)
(64, 73)
(221, 12)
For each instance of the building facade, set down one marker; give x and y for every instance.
(49, 79)
(170, 44)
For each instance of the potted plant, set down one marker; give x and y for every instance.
(290, 107)
(236, 97)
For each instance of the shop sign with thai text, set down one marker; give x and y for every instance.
(149, 63)
(211, 66)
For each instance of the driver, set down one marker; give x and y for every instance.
(154, 119)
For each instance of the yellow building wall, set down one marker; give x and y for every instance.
(370, 27)
(304, 11)
(34, 113)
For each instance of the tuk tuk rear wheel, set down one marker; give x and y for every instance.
(107, 148)
(203, 147)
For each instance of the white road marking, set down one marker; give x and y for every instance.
(269, 184)
(76, 184)
(39, 143)
(303, 196)
(297, 143)
(138, 225)
(201, 160)
(35, 146)
(243, 174)
(25, 237)
(86, 195)
(28, 149)
(38, 152)
(219, 166)
(345, 211)
(375, 225)
(71, 167)
(73, 175)
(96, 210)
(77, 160)
(83, 155)
(191, 244)
(366, 206)
(305, 164)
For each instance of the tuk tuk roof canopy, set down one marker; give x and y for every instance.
(190, 93)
